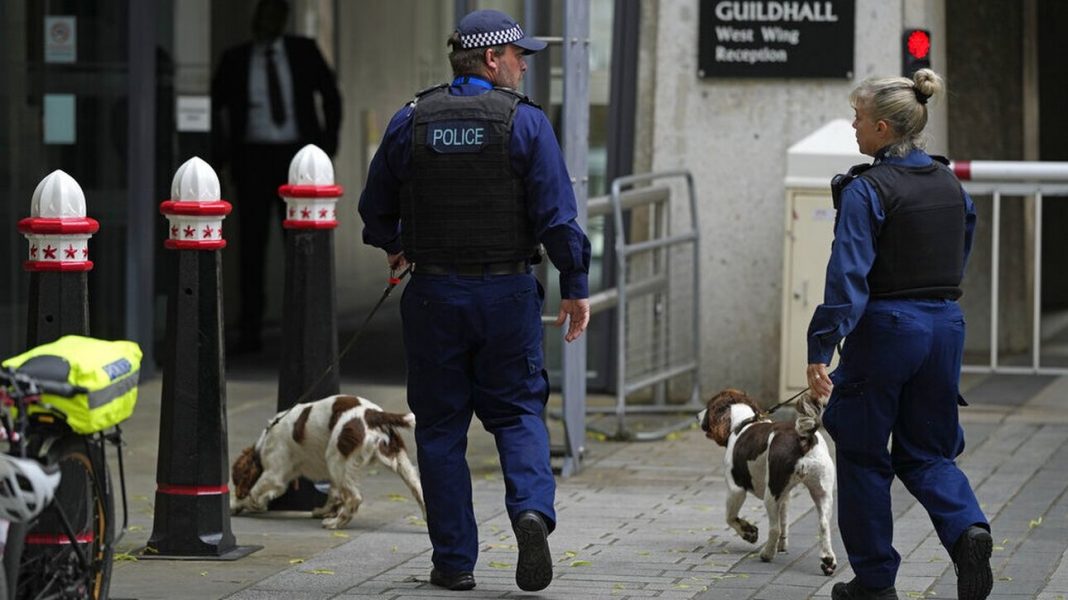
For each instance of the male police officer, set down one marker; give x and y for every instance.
(468, 180)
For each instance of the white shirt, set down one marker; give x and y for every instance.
(261, 128)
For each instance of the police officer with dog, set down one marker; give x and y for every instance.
(467, 182)
(903, 232)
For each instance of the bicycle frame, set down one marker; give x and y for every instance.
(41, 432)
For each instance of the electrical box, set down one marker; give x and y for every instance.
(810, 165)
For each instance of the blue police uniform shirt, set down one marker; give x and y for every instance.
(860, 218)
(535, 156)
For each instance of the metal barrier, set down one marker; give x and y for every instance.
(656, 332)
(1016, 178)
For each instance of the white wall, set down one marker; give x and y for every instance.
(733, 135)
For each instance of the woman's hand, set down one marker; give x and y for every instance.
(818, 380)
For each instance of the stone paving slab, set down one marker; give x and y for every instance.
(642, 520)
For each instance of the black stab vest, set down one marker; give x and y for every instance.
(920, 248)
(464, 204)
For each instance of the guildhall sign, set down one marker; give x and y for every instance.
(776, 39)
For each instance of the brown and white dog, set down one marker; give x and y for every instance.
(329, 439)
(768, 459)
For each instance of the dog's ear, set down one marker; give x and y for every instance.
(719, 425)
(245, 472)
(717, 417)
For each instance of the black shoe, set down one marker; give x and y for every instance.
(971, 559)
(456, 582)
(854, 591)
(535, 569)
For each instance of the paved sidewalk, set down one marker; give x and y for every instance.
(643, 519)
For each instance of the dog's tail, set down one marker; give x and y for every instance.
(382, 419)
(809, 411)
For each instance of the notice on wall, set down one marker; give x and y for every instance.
(193, 113)
(776, 39)
(60, 122)
(61, 39)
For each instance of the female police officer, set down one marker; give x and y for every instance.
(902, 236)
(468, 180)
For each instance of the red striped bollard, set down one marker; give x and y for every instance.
(58, 233)
(192, 512)
(309, 368)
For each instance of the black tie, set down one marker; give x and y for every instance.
(274, 90)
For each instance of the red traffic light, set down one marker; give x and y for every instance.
(919, 43)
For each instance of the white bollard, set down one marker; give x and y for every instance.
(57, 229)
(195, 211)
(311, 195)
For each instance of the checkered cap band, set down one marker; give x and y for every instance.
(491, 38)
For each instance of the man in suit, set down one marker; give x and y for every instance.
(263, 99)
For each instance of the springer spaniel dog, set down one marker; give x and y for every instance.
(768, 459)
(329, 439)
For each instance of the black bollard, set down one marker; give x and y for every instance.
(58, 233)
(309, 361)
(192, 510)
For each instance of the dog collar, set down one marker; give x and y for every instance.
(761, 417)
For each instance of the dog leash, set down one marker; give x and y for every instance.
(394, 281)
(764, 414)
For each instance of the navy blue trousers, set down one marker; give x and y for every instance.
(474, 346)
(898, 376)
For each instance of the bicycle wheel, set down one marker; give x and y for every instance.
(50, 566)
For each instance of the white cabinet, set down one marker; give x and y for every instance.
(809, 231)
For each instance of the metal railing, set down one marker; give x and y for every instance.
(1036, 180)
(652, 320)
(645, 272)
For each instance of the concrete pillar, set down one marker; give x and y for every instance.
(58, 233)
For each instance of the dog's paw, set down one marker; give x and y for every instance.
(749, 532)
(828, 565)
(324, 512)
(336, 522)
(767, 554)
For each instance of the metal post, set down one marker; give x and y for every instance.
(576, 137)
(309, 362)
(140, 179)
(1036, 323)
(192, 508)
(622, 277)
(995, 291)
(58, 233)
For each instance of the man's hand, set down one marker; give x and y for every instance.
(818, 380)
(397, 262)
(578, 311)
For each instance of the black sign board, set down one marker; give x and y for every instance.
(776, 38)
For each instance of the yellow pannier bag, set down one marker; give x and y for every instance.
(108, 370)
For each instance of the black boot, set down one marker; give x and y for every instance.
(971, 559)
(535, 569)
(854, 591)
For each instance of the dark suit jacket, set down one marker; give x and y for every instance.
(311, 75)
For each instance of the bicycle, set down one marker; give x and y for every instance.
(66, 550)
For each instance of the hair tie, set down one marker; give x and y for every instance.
(920, 97)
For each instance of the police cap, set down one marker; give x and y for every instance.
(484, 28)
